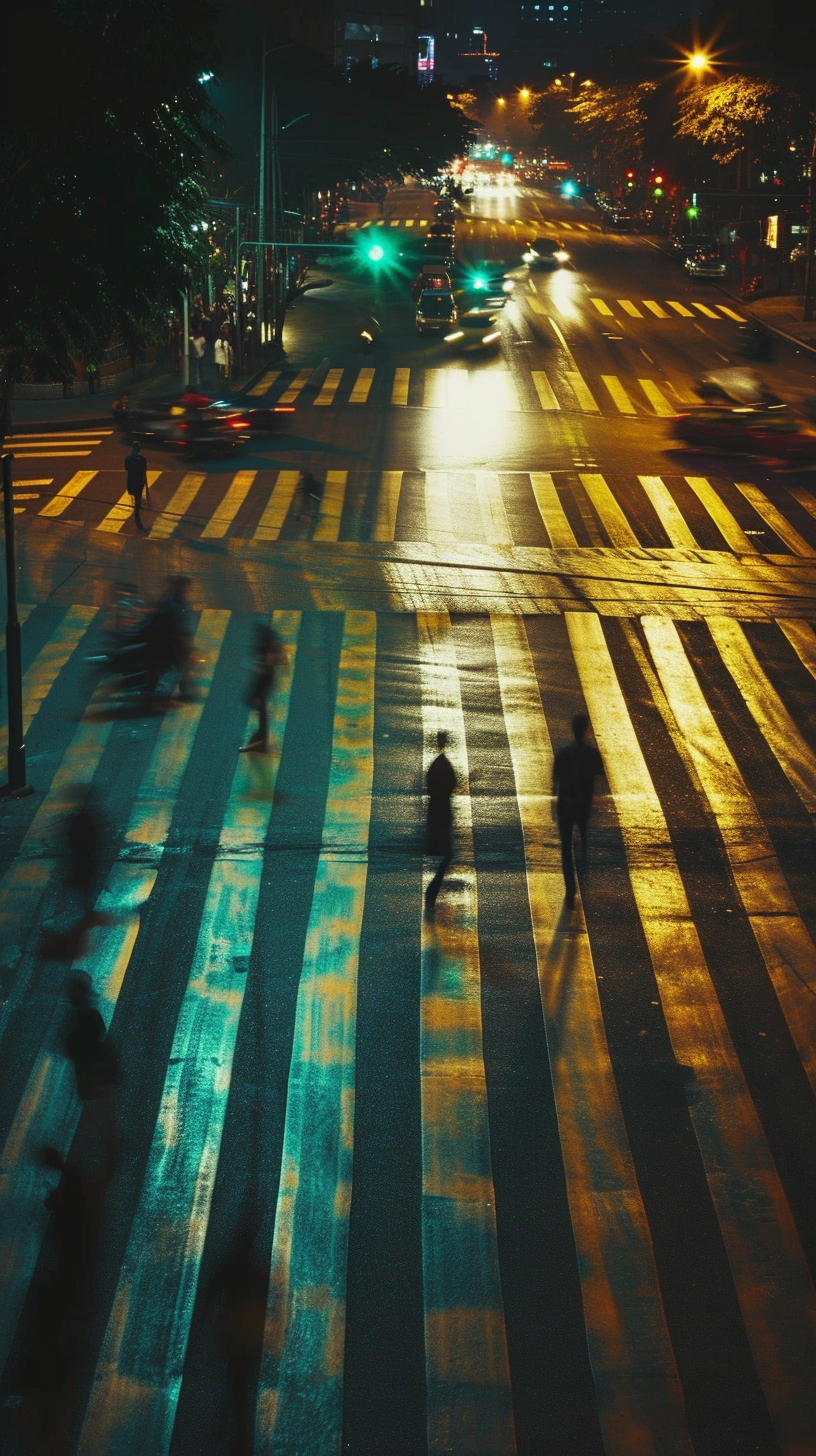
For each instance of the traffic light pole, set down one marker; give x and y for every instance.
(285, 244)
(807, 312)
(16, 786)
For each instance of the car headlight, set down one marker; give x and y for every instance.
(451, 338)
(562, 257)
(508, 285)
(529, 257)
(490, 338)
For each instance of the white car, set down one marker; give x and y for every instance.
(706, 263)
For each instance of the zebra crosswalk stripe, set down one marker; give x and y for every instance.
(68, 493)
(224, 515)
(669, 513)
(387, 505)
(135, 1391)
(783, 940)
(465, 1338)
(331, 506)
(495, 524)
(612, 517)
(562, 537)
(307, 1286)
(49, 1109)
(774, 518)
(277, 507)
(728, 527)
(123, 510)
(741, 1174)
(618, 394)
(636, 1413)
(177, 507)
(40, 677)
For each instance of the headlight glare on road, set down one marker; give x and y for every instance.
(490, 338)
(451, 338)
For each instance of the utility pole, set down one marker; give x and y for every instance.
(17, 785)
(260, 281)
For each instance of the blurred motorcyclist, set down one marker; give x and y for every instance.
(168, 634)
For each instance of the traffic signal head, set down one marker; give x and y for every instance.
(658, 192)
(630, 176)
(658, 180)
(375, 249)
(376, 253)
(691, 212)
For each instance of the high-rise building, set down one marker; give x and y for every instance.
(386, 32)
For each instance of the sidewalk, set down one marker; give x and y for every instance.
(784, 315)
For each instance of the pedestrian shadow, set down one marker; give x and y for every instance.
(259, 785)
(558, 973)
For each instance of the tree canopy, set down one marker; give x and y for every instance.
(105, 125)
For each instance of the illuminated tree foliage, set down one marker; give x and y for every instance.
(614, 119)
(725, 115)
(104, 127)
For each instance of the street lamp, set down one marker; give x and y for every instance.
(698, 62)
(524, 93)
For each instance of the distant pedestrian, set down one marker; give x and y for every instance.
(136, 472)
(169, 638)
(575, 769)
(440, 782)
(223, 356)
(310, 492)
(267, 654)
(198, 344)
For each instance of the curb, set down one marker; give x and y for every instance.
(772, 328)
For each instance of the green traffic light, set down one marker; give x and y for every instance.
(691, 212)
(376, 253)
(658, 192)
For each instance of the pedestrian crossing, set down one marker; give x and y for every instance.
(557, 510)
(668, 309)
(664, 1009)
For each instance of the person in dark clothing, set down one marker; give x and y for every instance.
(136, 471)
(440, 782)
(168, 637)
(574, 771)
(267, 654)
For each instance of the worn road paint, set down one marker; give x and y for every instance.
(300, 1401)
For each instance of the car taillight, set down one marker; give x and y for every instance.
(284, 409)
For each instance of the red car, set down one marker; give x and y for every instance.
(774, 433)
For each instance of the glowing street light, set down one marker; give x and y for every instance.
(524, 93)
(698, 62)
(500, 101)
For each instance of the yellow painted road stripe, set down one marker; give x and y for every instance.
(544, 390)
(362, 387)
(13, 440)
(640, 1401)
(730, 529)
(784, 942)
(776, 1297)
(387, 504)
(655, 308)
(657, 399)
(68, 493)
(705, 310)
(395, 222)
(581, 391)
(298, 383)
(399, 389)
(611, 516)
(224, 515)
(802, 639)
(177, 506)
(729, 313)
(465, 1338)
(39, 678)
(329, 390)
(21, 484)
(630, 308)
(602, 307)
(495, 524)
(277, 507)
(536, 305)
(409, 221)
(265, 382)
(618, 394)
(49, 1110)
(52, 455)
(775, 723)
(680, 308)
(306, 1309)
(331, 506)
(438, 522)
(669, 513)
(423, 222)
(123, 510)
(435, 389)
(804, 498)
(136, 1384)
(774, 518)
(558, 528)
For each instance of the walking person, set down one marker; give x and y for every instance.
(440, 781)
(310, 492)
(198, 344)
(575, 769)
(136, 472)
(267, 654)
(223, 357)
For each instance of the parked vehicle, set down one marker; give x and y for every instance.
(706, 263)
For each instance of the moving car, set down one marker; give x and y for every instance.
(192, 423)
(706, 263)
(441, 230)
(439, 250)
(431, 279)
(478, 329)
(488, 286)
(546, 253)
(618, 222)
(742, 416)
(436, 313)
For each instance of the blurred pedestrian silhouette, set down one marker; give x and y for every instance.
(96, 1067)
(136, 473)
(267, 654)
(84, 843)
(240, 1287)
(310, 494)
(440, 782)
(168, 634)
(575, 769)
(62, 1303)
